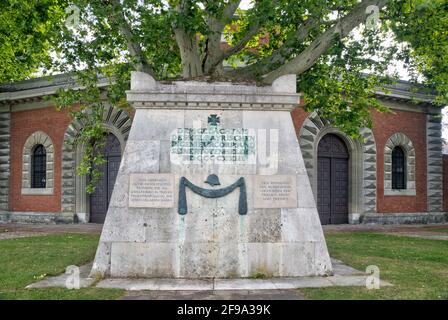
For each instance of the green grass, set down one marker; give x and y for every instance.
(418, 268)
(26, 260)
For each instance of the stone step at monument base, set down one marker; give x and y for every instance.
(234, 284)
(343, 276)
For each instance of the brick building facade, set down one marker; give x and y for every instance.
(394, 175)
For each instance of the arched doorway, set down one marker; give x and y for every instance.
(100, 198)
(332, 180)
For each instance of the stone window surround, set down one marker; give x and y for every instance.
(38, 137)
(399, 140)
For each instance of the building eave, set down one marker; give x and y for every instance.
(36, 89)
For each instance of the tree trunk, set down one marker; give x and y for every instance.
(189, 53)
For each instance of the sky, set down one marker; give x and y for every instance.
(246, 4)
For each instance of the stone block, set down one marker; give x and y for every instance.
(198, 260)
(142, 260)
(264, 225)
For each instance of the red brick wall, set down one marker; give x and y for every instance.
(298, 116)
(413, 125)
(54, 123)
(445, 183)
(23, 124)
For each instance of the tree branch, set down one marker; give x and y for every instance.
(134, 48)
(188, 46)
(279, 57)
(252, 30)
(311, 54)
(230, 9)
(216, 26)
(250, 33)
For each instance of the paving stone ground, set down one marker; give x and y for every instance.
(19, 234)
(215, 295)
(389, 228)
(424, 231)
(46, 229)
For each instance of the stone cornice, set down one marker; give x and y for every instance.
(30, 94)
(148, 94)
(207, 100)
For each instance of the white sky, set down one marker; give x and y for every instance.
(246, 4)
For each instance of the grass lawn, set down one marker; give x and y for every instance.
(418, 268)
(25, 260)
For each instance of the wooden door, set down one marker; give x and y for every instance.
(332, 180)
(100, 198)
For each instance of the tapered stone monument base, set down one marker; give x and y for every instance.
(190, 130)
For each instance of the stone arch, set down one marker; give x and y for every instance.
(399, 140)
(74, 199)
(362, 175)
(37, 138)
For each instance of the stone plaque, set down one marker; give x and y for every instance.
(213, 145)
(279, 191)
(151, 190)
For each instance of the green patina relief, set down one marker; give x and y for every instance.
(213, 144)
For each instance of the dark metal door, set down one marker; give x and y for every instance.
(100, 198)
(332, 180)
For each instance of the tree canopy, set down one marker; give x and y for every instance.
(314, 39)
(25, 30)
(341, 50)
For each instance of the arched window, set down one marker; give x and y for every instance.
(399, 166)
(39, 167)
(398, 169)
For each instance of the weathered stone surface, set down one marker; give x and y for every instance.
(213, 240)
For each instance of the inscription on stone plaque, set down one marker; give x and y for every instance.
(213, 144)
(278, 191)
(151, 190)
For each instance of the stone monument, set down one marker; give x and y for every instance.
(212, 184)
